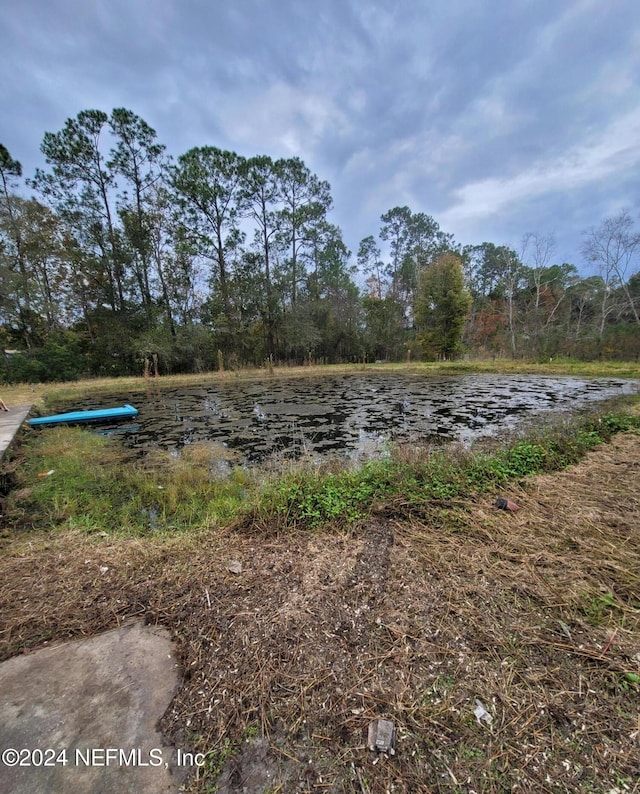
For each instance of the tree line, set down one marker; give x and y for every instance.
(121, 254)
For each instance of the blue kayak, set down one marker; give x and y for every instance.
(97, 415)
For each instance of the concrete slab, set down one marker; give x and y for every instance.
(10, 422)
(81, 716)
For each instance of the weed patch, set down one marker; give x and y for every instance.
(313, 499)
(97, 485)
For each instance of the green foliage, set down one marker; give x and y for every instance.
(597, 607)
(441, 308)
(214, 764)
(60, 358)
(525, 458)
(384, 333)
(319, 500)
(610, 424)
(219, 251)
(621, 341)
(8, 166)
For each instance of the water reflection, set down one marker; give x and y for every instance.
(353, 416)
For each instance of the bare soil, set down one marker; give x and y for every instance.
(421, 615)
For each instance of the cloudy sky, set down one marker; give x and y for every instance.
(496, 117)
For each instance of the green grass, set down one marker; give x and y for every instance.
(96, 485)
(314, 499)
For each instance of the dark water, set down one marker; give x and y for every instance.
(351, 416)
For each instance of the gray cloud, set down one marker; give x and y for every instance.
(496, 118)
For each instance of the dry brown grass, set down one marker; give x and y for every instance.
(411, 616)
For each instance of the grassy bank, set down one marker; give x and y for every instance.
(413, 478)
(71, 478)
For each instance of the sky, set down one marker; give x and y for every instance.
(495, 117)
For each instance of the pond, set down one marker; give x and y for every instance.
(353, 416)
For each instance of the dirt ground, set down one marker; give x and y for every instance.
(504, 646)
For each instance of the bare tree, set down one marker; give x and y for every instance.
(547, 287)
(537, 248)
(612, 247)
